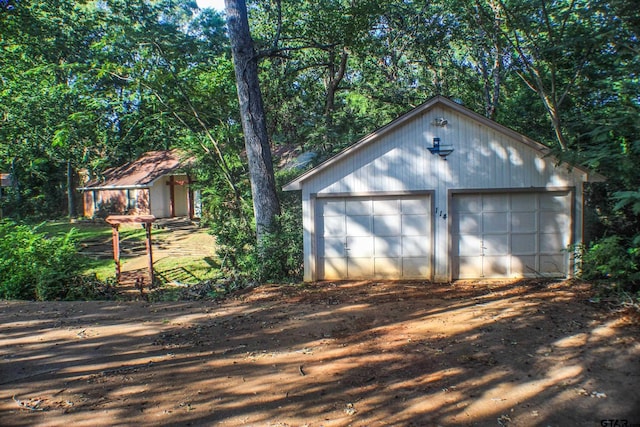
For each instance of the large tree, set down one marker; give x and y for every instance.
(266, 206)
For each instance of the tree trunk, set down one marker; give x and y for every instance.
(335, 74)
(263, 188)
(552, 108)
(71, 206)
(334, 77)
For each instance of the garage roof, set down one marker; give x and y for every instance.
(296, 184)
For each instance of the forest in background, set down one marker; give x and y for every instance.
(87, 85)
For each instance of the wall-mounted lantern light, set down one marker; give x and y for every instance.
(439, 149)
(440, 121)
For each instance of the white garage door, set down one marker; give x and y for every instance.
(374, 237)
(511, 235)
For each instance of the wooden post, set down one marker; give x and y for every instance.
(172, 196)
(150, 254)
(115, 221)
(115, 231)
(190, 203)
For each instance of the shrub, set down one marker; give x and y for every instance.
(36, 267)
(235, 242)
(614, 261)
(278, 258)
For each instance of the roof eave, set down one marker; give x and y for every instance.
(292, 186)
(594, 177)
(114, 187)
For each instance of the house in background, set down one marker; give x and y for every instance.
(156, 184)
(441, 193)
(5, 181)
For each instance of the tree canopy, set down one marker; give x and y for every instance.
(90, 84)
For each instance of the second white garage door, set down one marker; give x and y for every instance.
(374, 237)
(511, 234)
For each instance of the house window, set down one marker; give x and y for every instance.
(132, 198)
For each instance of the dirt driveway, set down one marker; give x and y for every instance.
(330, 354)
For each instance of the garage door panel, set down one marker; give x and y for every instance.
(387, 268)
(495, 266)
(414, 246)
(523, 222)
(552, 243)
(469, 267)
(333, 207)
(360, 268)
(552, 264)
(495, 222)
(358, 207)
(388, 246)
(524, 244)
(358, 225)
(332, 247)
(333, 268)
(334, 226)
(469, 203)
(468, 223)
(524, 202)
(495, 203)
(523, 265)
(557, 202)
(386, 207)
(469, 245)
(552, 222)
(374, 237)
(414, 225)
(415, 206)
(360, 246)
(414, 268)
(496, 244)
(386, 225)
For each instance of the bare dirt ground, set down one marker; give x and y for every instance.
(328, 354)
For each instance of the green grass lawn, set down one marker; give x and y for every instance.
(84, 230)
(92, 231)
(182, 269)
(186, 269)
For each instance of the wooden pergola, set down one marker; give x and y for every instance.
(115, 221)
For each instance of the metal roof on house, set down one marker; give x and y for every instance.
(5, 179)
(141, 173)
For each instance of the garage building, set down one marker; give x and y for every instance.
(441, 193)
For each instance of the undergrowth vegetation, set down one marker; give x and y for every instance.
(278, 258)
(612, 264)
(35, 266)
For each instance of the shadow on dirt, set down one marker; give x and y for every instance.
(332, 354)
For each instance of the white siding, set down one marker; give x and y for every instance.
(159, 198)
(181, 196)
(400, 161)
